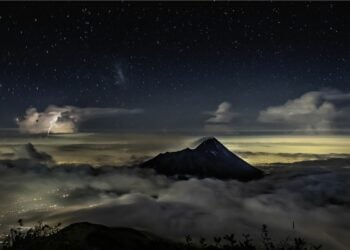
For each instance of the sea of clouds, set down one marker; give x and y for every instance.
(315, 195)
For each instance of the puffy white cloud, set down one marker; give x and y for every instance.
(64, 119)
(313, 111)
(223, 114)
(221, 118)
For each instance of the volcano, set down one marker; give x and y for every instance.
(209, 159)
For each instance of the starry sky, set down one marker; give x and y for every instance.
(205, 66)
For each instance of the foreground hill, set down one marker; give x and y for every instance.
(87, 236)
(209, 159)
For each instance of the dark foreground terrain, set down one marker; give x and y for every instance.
(87, 236)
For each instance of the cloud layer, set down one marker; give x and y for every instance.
(314, 111)
(64, 119)
(315, 197)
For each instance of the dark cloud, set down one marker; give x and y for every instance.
(294, 156)
(332, 162)
(306, 155)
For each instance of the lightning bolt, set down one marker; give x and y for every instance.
(53, 122)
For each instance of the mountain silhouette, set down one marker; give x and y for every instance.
(88, 236)
(209, 159)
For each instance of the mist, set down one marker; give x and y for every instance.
(314, 195)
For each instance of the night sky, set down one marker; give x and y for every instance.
(175, 62)
(88, 89)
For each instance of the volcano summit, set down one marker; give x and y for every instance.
(209, 159)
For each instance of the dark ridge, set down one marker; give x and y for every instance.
(87, 236)
(34, 154)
